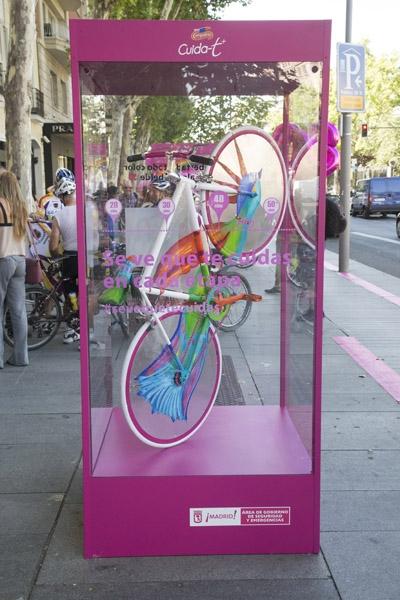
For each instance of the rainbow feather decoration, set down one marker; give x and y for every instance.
(230, 237)
(168, 383)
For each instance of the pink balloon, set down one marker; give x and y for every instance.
(332, 160)
(333, 135)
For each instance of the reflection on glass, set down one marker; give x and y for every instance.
(266, 221)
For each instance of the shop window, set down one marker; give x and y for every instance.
(54, 89)
(64, 97)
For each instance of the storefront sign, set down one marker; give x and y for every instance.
(61, 128)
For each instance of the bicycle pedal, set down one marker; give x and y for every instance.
(254, 297)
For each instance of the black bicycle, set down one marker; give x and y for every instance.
(46, 307)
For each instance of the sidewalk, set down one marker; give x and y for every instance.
(40, 492)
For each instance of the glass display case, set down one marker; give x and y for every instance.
(201, 151)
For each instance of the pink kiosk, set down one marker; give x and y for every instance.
(248, 480)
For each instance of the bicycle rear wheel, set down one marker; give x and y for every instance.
(235, 314)
(149, 353)
(44, 316)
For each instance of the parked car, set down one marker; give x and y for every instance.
(376, 195)
(398, 225)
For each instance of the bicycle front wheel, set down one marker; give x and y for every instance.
(43, 313)
(150, 359)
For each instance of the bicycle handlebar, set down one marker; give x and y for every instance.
(202, 160)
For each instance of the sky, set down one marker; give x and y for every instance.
(375, 20)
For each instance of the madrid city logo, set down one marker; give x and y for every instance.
(198, 516)
(202, 35)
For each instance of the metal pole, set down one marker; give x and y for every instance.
(345, 168)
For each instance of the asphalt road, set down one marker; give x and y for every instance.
(373, 242)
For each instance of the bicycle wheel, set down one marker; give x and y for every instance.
(235, 314)
(149, 358)
(248, 161)
(44, 317)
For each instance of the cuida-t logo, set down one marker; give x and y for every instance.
(202, 35)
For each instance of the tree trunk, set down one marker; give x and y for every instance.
(119, 105)
(166, 9)
(17, 93)
(126, 144)
(126, 141)
(101, 9)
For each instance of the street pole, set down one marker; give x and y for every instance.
(345, 165)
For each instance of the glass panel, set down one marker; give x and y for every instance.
(180, 250)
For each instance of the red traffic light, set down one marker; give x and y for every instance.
(364, 130)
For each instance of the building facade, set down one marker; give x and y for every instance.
(51, 112)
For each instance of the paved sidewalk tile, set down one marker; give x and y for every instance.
(30, 468)
(316, 589)
(360, 511)
(361, 470)
(361, 431)
(28, 513)
(64, 563)
(19, 559)
(365, 564)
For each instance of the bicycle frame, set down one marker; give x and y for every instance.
(183, 193)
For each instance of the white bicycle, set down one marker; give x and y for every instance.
(172, 370)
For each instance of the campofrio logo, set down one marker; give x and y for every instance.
(202, 35)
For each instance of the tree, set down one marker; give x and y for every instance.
(17, 92)
(214, 116)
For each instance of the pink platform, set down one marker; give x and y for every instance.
(221, 446)
(137, 499)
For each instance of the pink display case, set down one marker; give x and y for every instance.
(248, 480)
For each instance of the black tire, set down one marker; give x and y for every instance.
(353, 212)
(365, 213)
(239, 312)
(398, 228)
(44, 318)
(384, 215)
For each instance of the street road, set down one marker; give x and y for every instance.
(374, 243)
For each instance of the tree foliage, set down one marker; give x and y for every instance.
(159, 9)
(160, 119)
(214, 116)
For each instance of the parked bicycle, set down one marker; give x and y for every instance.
(46, 307)
(301, 274)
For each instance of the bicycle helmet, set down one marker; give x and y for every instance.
(62, 173)
(64, 187)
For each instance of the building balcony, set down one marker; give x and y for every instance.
(37, 107)
(56, 41)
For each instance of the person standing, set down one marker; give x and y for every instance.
(13, 223)
(64, 231)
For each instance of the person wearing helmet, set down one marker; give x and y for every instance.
(64, 231)
(64, 174)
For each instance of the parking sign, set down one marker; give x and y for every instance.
(350, 74)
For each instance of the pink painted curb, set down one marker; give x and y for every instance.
(374, 366)
(378, 291)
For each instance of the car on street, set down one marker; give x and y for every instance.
(377, 195)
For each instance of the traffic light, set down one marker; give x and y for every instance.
(364, 130)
